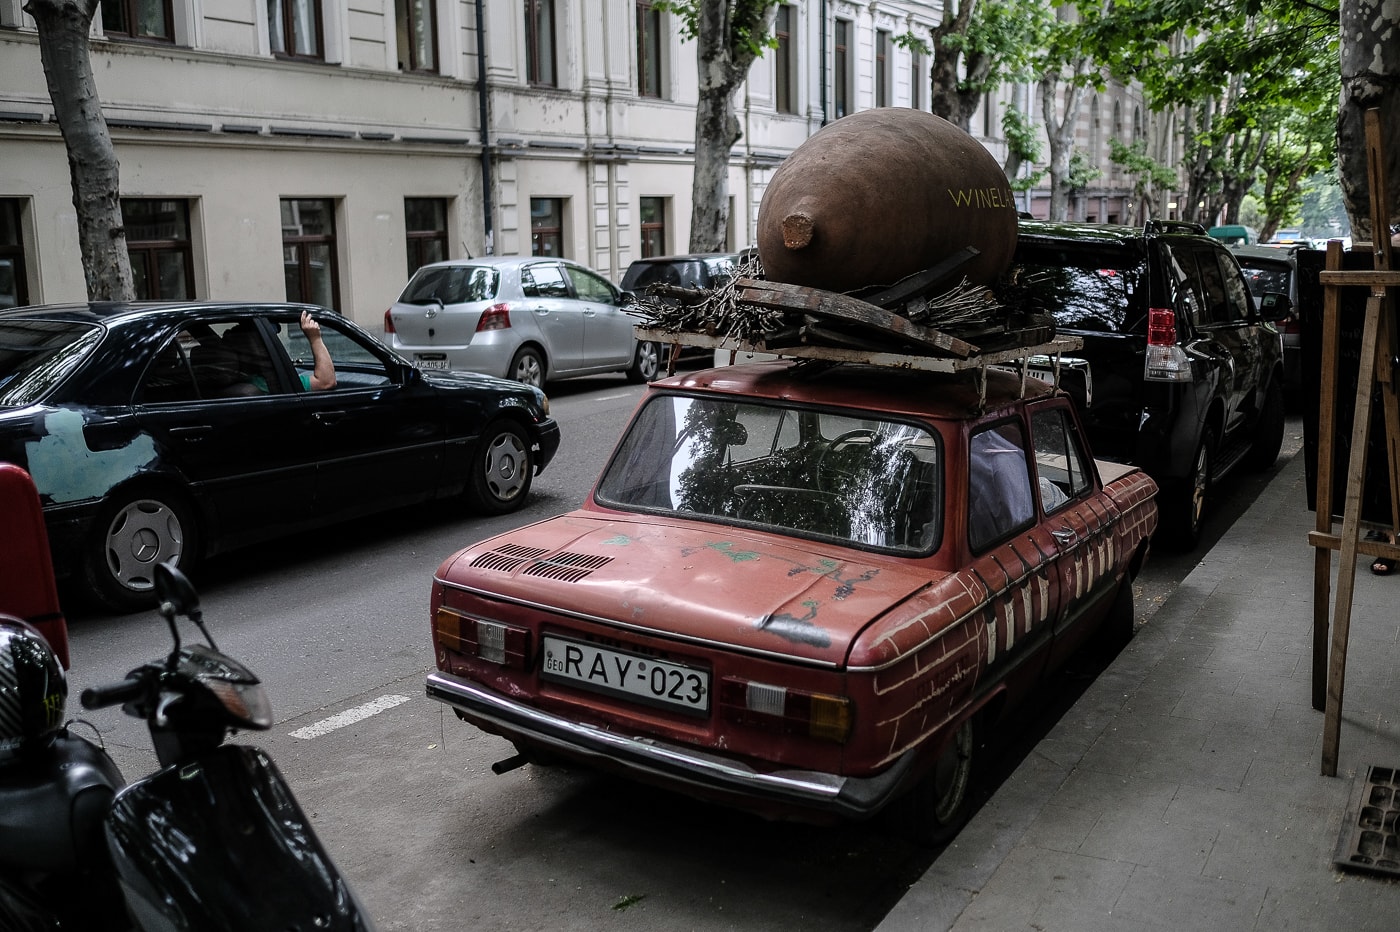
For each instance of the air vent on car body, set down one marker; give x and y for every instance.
(507, 557)
(568, 567)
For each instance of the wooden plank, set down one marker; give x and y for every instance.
(1373, 278)
(838, 354)
(1326, 457)
(1369, 548)
(1351, 532)
(849, 310)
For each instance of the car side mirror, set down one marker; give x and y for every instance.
(1275, 306)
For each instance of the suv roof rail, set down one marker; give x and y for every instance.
(1174, 226)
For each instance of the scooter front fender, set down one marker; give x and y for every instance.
(221, 844)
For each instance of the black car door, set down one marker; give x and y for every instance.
(378, 435)
(239, 440)
(1232, 331)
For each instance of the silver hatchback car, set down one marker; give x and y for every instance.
(528, 318)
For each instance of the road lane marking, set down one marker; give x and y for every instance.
(349, 717)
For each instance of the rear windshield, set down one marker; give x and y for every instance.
(1263, 276)
(454, 284)
(36, 355)
(694, 273)
(1097, 289)
(785, 468)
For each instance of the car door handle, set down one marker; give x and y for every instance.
(327, 417)
(1065, 537)
(191, 434)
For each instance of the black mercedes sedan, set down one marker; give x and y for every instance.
(174, 431)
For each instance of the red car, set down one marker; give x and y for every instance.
(800, 589)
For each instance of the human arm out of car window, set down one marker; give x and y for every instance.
(322, 369)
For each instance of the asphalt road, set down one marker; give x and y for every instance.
(404, 797)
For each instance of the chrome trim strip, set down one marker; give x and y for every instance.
(814, 790)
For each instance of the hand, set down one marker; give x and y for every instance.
(310, 327)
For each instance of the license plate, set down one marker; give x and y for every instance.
(423, 363)
(628, 676)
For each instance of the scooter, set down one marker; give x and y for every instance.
(213, 841)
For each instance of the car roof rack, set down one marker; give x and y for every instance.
(1174, 226)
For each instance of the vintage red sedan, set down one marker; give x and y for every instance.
(800, 589)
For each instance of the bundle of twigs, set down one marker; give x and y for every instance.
(962, 304)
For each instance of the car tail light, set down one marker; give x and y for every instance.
(1166, 360)
(389, 321)
(495, 317)
(491, 641)
(1291, 324)
(787, 711)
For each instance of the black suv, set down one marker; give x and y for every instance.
(1181, 372)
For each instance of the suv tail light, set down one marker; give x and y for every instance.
(1166, 360)
(495, 317)
(388, 320)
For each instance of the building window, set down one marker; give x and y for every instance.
(294, 28)
(308, 251)
(648, 50)
(841, 69)
(14, 281)
(539, 42)
(416, 25)
(547, 226)
(158, 242)
(653, 212)
(426, 221)
(882, 68)
(139, 19)
(783, 98)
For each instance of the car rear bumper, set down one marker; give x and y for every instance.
(788, 793)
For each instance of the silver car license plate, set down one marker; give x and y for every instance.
(628, 676)
(430, 362)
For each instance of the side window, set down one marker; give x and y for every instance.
(1183, 280)
(230, 359)
(590, 287)
(544, 281)
(999, 496)
(356, 365)
(1216, 301)
(1237, 300)
(170, 377)
(1060, 464)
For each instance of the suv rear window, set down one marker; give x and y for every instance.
(1094, 289)
(453, 284)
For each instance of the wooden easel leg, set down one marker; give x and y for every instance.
(1351, 526)
(1327, 417)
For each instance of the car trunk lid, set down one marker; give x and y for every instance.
(701, 582)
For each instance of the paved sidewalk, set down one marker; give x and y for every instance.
(1182, 791)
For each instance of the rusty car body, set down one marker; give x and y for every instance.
(800, 589)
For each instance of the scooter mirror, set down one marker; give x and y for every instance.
(174, 587)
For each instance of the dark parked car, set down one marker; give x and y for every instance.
(697, 270)
(162, 432)
(1181, 371)
(801, 591)
(1275, 269)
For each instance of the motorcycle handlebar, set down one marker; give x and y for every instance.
(99, 697)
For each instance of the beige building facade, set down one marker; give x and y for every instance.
(322, 149)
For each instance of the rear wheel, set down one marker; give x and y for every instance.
(527, 367)
(1183, 514)
(135, 531)
(646, 362)
(936, 808)
(1117, 628)
(502, 469)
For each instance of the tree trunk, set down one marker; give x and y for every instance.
(1370, 60)
(1059, 132)
(945, 99)
(723, 62)
(92, 163)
